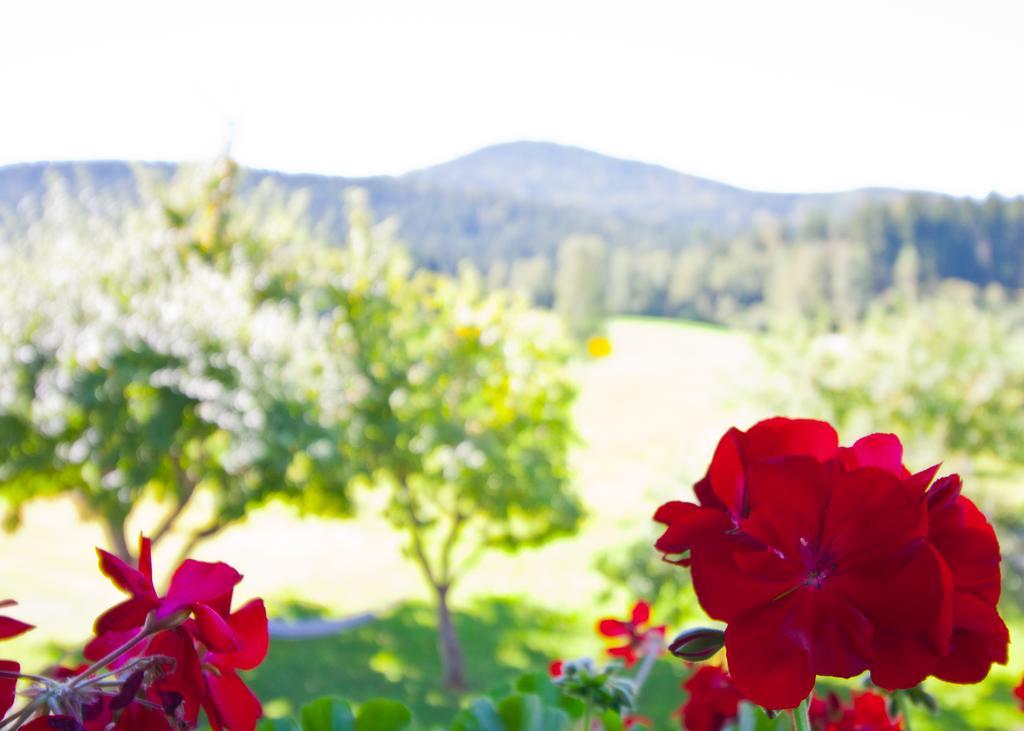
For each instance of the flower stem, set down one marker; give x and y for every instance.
(143, 634)
(655, 646)
(587, 722)
(904, 708)
(802, 715)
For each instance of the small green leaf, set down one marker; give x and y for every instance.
(382, 714)
(328, 714)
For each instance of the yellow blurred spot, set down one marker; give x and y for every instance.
(468, 332)
(599, 347)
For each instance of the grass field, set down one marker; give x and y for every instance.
(649, 416)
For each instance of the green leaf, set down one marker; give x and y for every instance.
(480, 716)
(277, 724)
(328, 714)
(611, 721)
(382, 714)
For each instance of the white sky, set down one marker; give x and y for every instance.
(768, 94)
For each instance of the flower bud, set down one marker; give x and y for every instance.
(697, 645)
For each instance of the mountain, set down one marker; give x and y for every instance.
(507, 201)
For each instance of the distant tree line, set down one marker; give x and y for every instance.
(828, 265)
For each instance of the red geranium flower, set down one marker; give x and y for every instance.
(837, 561)
(555, 669)
(713, 700)
(868, 712)
(818, 551)
(1019, 692)
(197, 588)
(196, 630)
(633, 631)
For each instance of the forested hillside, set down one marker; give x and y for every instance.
(667, 243)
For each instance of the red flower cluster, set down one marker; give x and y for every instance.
(157, 660)
(833, 561)
(713, 700)
(637, 637)
(867, 712)
(1019, 692)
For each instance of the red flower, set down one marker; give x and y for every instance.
(634, 721)
(197, 589)
(633, 631)
(867, 713)
(836, 562)
(713, 700)
(194, 627)
(812, 570)
(555, 669)
(9, 628)
(1019, 692)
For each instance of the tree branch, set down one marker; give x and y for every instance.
(414, 530)
(198, 537)
(186, 488)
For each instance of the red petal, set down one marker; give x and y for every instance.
(613, 627)
(781, 437)
(873, 525)
(901, 661)
(883, 451)
(235, 707)
(103, 644)
(786, 502)
(725, 590)
(146, 558)
(769, 652)
(198, 582)
(187, 677)
(641, 613)
(214, 630)
(139, 718)
(127, 615)
(726, 473)
(919, 599)
(124, 577)
(7, 686)
(250, 625)
(626, 652)
(673, 510)
(12, 627)
(682, 533)
(980, 638)
(841, 638)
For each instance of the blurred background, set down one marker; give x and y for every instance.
(414, 313)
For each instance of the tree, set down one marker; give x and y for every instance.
(141, 355)
(466, 423)
(580, 284)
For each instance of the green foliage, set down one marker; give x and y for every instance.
(532, 704)
(945, 373)
(334, 714)
(141, 356)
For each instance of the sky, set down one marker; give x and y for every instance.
(787, 95)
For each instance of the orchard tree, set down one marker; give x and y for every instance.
(140, 357)
(466, 423)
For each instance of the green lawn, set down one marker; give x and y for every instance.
(649, 416)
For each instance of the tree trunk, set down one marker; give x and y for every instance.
(116, 540)
(448, 645)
